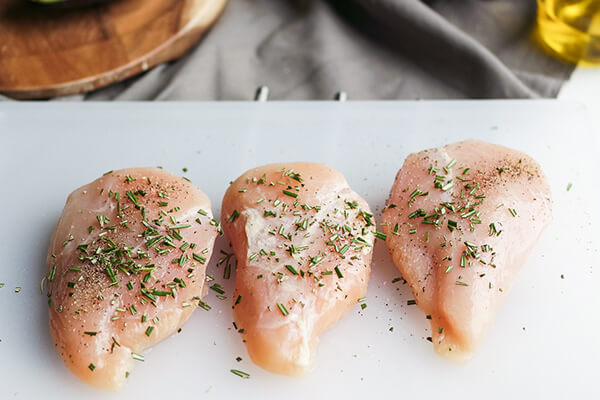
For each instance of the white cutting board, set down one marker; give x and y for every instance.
(545, 339)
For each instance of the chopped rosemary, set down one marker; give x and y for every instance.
(283, 310)
(233, 216)
(241, 374)
(380, 235)
(291, 269)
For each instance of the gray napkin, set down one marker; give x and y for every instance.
(371, 49)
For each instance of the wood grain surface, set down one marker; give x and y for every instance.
(47, 52)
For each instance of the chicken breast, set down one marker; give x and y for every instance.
(460, 223)
(126, 266)
(303, 240)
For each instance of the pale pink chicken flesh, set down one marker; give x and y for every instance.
(303, 240)
(461, 221)
(126, 268)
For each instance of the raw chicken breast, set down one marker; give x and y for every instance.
(126, 267)
(460, 223)
(303, 240)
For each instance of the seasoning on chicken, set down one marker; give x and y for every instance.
(303, 240)
(126, 268)
(461, 221)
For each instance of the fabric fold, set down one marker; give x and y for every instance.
(371, 49)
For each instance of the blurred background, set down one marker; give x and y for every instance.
(300, 49)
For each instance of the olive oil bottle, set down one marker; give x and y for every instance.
(570, 29)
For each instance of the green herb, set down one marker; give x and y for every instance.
(149, 330)
(380, 235)
(217, 288)
(283, 310)
(179, 226)
(241, 374)
(291, 194)
(132, 197)
(233, 216)
(569, 186)
(338, 272)
(90, 333)
(160, 293)
(52, 272)
(452, 225)
(137, 356)
(344, 249)
(418, 213)
(411, 302)
(291, 269)
(513, 212)
(448, 186)
(198, 258)
(367, 217)
(315, 260)
(92, 367)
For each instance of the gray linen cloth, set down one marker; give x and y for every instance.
(371, 49)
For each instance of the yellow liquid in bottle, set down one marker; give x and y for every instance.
(570, 29)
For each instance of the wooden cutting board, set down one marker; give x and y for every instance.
(47, 52)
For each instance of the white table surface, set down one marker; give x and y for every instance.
(544, 343)
(584, 88)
